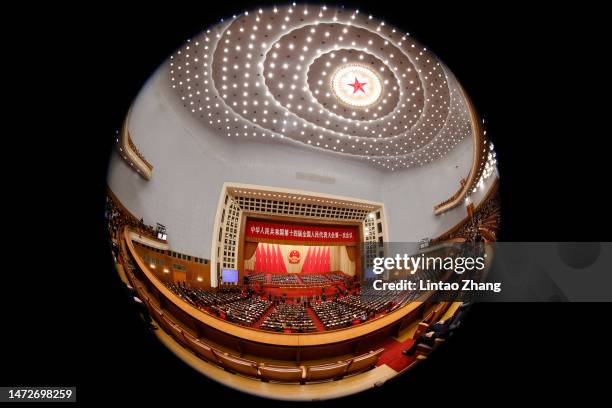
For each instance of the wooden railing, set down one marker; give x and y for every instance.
(484, 221)
(229, 346)
(130, 153)
(119, 217)
(135, 149)
(480, 151)
(319, 344)
(239, 365)
(453, 197)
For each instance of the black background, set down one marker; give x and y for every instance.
(534, 73)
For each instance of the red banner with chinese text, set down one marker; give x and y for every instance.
(290, 232)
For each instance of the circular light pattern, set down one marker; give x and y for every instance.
(280, 75)
(329, 100)
(356, 85)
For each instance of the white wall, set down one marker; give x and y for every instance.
(410, 195)
(191, 164)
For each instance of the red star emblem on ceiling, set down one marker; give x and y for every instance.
(357, 86)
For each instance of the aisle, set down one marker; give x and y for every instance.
(262, 318)
(315, 319)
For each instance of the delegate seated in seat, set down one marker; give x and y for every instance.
(435, 331)
(440, 329)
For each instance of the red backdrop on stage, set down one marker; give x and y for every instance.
(269, 258)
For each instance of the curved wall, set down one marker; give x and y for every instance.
(191, 164)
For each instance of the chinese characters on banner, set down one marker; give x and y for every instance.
(288, 232)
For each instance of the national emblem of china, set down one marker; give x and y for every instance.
(294, 257)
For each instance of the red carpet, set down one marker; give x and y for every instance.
(262, 318)
(393, 357)
(315, 319)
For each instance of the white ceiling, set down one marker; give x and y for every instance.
(268, 75)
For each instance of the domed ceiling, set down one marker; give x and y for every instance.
(323, 78)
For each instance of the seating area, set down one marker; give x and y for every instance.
(117, 218)
(245, 312)
(289, 318)
(284, 279)
(434, 316)
(277, 373)
(252, 310)
(358, 308)
(268, 373)
(376, 301)
(336, 277)
(202, 298)
(336, 315)
(483, 226)
(317, 279)
(257, 277)
(233, 305)
(451, 317)
(265, 372)
(297, 280)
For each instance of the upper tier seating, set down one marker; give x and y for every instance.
(482, 226)
(117, 218)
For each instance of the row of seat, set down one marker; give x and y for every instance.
(265, 372)
(432, 317)
(203, 298)
(423, 350)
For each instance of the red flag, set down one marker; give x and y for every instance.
(325, 263)
(281, 260)
(258, 266)
(266, 258)
(306, 262)
(317, 260)
(276, 264)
